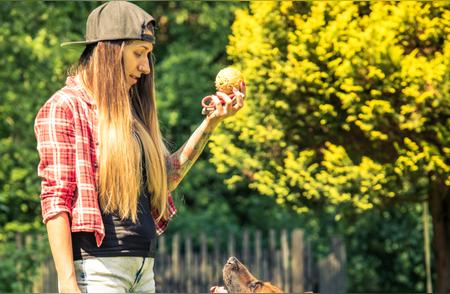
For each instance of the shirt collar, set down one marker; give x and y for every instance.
(75, 83)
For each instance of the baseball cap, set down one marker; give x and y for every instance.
(117, 20)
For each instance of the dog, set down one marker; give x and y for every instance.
(238, 279)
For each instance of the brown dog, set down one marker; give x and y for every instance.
(238, 279)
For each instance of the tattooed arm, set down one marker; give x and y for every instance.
(180, 162)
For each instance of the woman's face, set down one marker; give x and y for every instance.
(135, 59)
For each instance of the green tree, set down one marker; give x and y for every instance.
(348, 107)
(190, 50)
(32, 67)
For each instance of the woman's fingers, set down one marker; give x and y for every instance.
(217, 104)
(239, 97)
(243, 88)
(223, 105)
(227, 99)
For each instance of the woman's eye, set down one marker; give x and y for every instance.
(138, 54)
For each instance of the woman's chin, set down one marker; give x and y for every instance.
(131, 83)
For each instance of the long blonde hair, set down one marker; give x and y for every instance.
(121, 114)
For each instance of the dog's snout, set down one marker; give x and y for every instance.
(238, 279)
(232, 260)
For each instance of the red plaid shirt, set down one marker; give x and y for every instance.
(66, 133)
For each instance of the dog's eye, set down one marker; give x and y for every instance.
(255, 285)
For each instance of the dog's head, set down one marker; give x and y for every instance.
(238, 279)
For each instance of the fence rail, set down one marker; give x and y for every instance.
(194, 263)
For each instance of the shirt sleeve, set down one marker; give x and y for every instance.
(54, 130)
(161, 226)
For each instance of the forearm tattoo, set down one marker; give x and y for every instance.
(180, 162)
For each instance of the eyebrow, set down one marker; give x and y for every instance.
(145, 47)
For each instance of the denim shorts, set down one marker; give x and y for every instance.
(122, 274)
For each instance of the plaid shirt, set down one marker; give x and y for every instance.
(67, 141)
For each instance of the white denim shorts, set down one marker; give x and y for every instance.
(123, 274)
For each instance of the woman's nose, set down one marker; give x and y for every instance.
(144, 68)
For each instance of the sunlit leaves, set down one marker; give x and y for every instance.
(344, 100)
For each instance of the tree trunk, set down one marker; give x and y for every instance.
(439, 201)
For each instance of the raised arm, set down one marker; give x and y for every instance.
(180, 162)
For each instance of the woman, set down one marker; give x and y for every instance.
(106, 173)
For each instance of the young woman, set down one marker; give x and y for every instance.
(106, 173)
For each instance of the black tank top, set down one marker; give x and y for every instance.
(122, 237)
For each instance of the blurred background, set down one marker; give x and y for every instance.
(334, 177)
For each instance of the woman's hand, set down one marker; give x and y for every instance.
(231, 106)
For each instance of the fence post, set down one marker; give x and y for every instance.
(332, 269)
(340, 253)
(217, 264)
(277, 270)
(285, 259)
(203, 260)
(245, 247)
(176, 261)
(297, 261)
(196, 270)
(272, 253)
(258, 254)
(162, 266)
(188, 264)
(309, 277)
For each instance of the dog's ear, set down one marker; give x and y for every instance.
(255, 285)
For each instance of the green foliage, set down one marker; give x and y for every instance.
(347, 108)
(329, 89)
(190, 50)
(32, 68)
(383, 256)
(20, 263)
(330, 85)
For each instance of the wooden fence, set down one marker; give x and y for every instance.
(193, 264)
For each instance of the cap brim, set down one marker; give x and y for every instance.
(73, 43)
